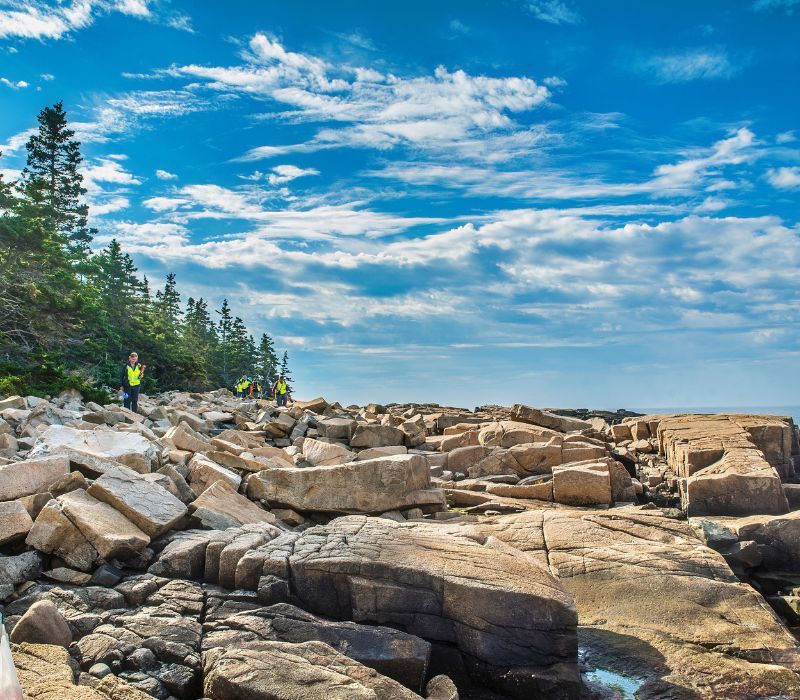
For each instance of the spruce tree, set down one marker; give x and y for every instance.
(224, 330)
(266, 360)
(285, 371)
(52, 181)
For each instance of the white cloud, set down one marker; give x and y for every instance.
(380, 110)
(685, 66)
(14, 85)
(786, 137)
(109, 205)
(165, 175)
(286, 173)
(47, 76)
(553, 11)
(108, 171)
(40, 19)
(17, 141)
(785, 178)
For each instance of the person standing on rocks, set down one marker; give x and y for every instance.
(130, 379)
(280, 390)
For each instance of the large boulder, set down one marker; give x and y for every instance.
(582, 484)
(43, 623)
(221, 506)
(721, 463)
(31, 476)
(391, 652)
(369, 486)
(325, 454)
(336, 428)
(655, 603)
(284, 671)
(15, 522)
(106, 529)
(54, 533)
(203, 472)
(502, 609)
(508, 433)
(534, 416)
(153, 509)
(374, 435)
(129, 448)
(777, 535)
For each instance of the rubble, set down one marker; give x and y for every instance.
(218, 548)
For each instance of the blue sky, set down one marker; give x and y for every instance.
(557, 202)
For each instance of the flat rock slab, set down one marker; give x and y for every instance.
(535, 416)
(105, 528)
(374, 435)
(656, 603)
(54, 533)
(393, 653)
(153, 509)
(368, 486)
(30, 476)
(129, 448)
(220, 507)
(284, 671)
(501, 608)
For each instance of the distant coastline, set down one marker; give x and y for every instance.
(793, 411)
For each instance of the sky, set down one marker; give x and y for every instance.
(555, 202)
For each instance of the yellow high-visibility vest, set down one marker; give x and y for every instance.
(134, 375)
(280, 387)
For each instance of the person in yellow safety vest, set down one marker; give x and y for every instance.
(130, 381)
(281, 391)
(241, 386)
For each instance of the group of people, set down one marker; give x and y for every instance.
(248, 388)
(132, 374)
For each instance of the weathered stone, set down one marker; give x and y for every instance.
(374, 452)
(700, 633)
(42, 624)
(369, 486)
(723, 471)
(220, 506)
(15, 522)
(318, 405)
(106, 529)
(54, 533)
(12, 402)
(31, 476)
(129, 448)
(22, 567)
(153, 509)
(534, 416)
(509, 433)
(184, 438)
(284, 671)
(584, 484)
(371, 435)
(203, 472)
(324, 454)
(337, 428)
(777, 535)
(502, 609)
(390, 652)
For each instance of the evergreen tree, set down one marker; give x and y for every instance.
(51, 180)
(223, 355)
(70, 318)
(266, 361)
(285, 371)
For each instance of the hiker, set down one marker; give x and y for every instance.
(242, 386)
(130, 379)
(255, 389)
(280, 391)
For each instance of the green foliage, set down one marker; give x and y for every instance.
(70, 317)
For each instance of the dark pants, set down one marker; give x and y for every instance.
(132, 402)
(281, 398)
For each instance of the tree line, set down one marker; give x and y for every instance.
(69, 315)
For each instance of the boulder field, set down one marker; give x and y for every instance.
(208, 547)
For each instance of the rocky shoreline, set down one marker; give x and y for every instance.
(212, 548)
